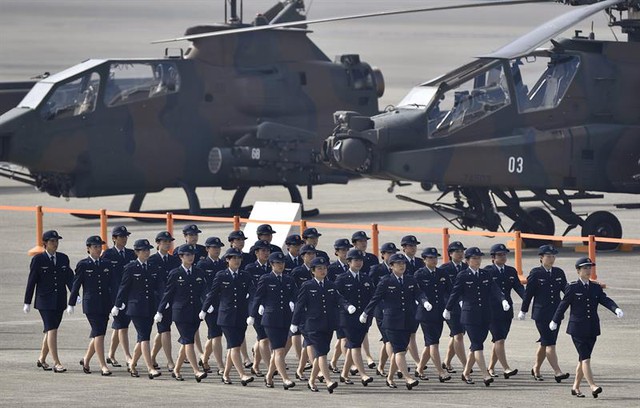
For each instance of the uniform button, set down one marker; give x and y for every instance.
(147, 297)
(99, 293)
(479, 304)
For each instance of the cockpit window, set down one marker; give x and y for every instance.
(471, 100)
(541, 82)
(74, 98)
(137, 81)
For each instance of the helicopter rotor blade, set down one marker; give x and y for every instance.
(351, 17)
(532, 40)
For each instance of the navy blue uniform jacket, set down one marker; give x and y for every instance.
(49, 281)
(95, 281)
(399, 308)
(140, 289)
(318, 306)
(477, 294)
(544, 288)
(274, 296)
(184, 294)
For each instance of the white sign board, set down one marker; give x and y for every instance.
(266, 211)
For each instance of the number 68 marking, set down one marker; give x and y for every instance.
(515, 164)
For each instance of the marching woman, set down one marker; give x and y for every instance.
(184, 291)
(276, 294)
(166, 262)
(399, 292)
(584, 324)
(544, 285)
(317, 305)
(477, 290)
(435, 284)
(229, 296)
(357, 289)
(211, 265)
(94, 276)
(139, 295)
(49, 276)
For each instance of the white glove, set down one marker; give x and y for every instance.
(293, 328)
(79, 299)
(505, 305)
(619, 313)
(292, 306)
(363, 318)
(250, 321)
(553, 325)
(157, 317)
(460, 303)
(165, 308)
(202, 315)
(260, 310)
(26, 308)
(446, 314)
(210, 309)
(70, 309)
(122, 306)
(427, 306)
(351, 309)
(115, 311)
(247, 297)
(522, 315)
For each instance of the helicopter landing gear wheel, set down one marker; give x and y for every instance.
(603, 224)
(426, 186)
(294, 194)
(539, 222)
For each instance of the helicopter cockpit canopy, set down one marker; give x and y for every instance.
(80, 89)
(481, 88)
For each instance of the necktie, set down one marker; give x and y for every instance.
(322, 284)
(122, 253)
(357, 278)
(345, 267)
(188, 272)
(233, 275)
(53, 259)
(144, 267)
(458, 267)
(279, 278)
(413, 262)
(264, 268)
(501, 270)
(400, 280)
(164, 259)
(97, 263)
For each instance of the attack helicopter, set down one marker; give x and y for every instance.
(559, 124)
(236, 112)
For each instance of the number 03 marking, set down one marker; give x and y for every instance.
(515, 164)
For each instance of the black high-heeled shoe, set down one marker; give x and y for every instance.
(332, 387)
(156, 374)
(577, 393)
(201, 377)
(596, 392)
(334, 369)
(353, 371)
(60, 369)
(105, 373)
(399, 375)
(246, 381)
(536, 377)
(257, 373)
(371, 365)
(43, 365)
(487, 381)
(346, 380)
(443, 379)
(85, 369)
(178, 377)
(133, 372)
(301, 377)
(288, 385)
(390, 384)
(268, 384)
(381, 373)
(312, 388)
(561, 377)
(448, 369)
(321, 378)
(113, 362)
(367, 381)
(509, 374)
(492, 374)
(411, 384)
(226, 381)
(467, 380)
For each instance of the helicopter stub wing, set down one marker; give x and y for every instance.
(532, 40)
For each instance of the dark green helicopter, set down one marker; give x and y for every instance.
(560, 122)
(233, 111)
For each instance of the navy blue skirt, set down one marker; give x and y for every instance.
(340, 333)
(233, 335)
(143, 325)
(355, 335)
(121, 321)
(455, 326)
(260, 332)
(584, 346)
(98, 322)
(187, 331)
(432, 332)
(499, 329)
(277, 337)
(320, 341)
(165, 324)
(51, 319)
(477, 335)
(213, 330)
(399, 339)
(383, 333)
(548, 337)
